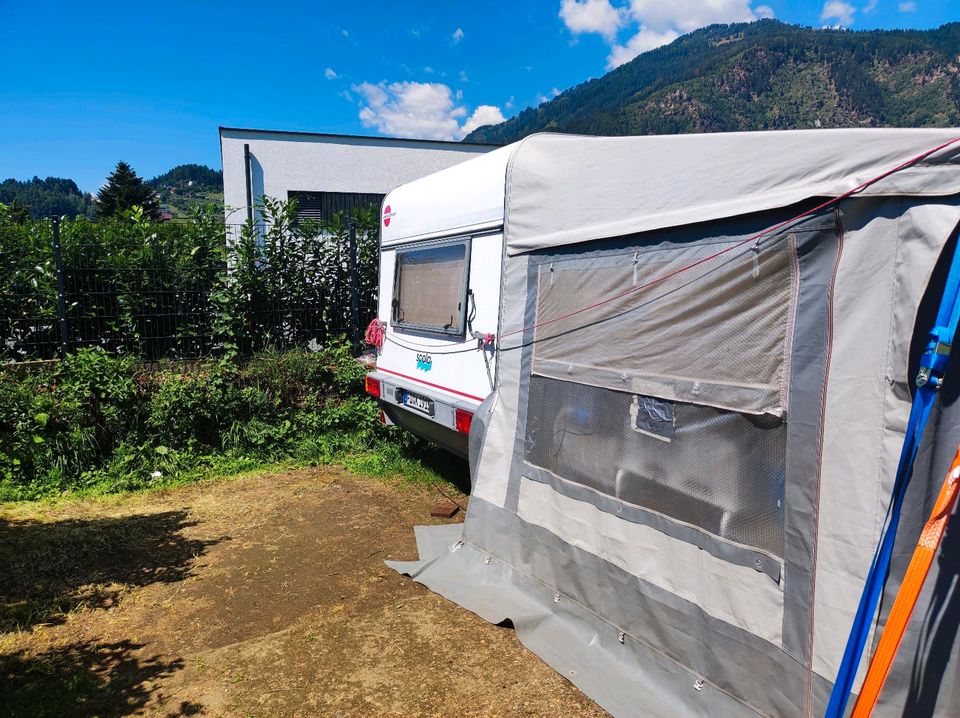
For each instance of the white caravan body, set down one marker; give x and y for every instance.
(440, 264)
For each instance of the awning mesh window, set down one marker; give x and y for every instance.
(653, 454)
(683, 327)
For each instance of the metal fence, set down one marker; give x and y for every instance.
(181, 290)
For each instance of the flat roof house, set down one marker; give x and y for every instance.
(326, 173)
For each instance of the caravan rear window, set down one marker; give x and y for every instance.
(430, 288)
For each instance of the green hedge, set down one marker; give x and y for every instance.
(190, 289)
(98, 423)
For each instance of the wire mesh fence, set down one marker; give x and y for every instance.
(184, 290)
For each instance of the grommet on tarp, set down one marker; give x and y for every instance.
(621, 636)
(556, 598)
(756, 260)
(457, 546)
(487, 560)
(551, 274)
(636, 260)
(698, 684)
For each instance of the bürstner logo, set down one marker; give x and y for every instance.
(387, 214)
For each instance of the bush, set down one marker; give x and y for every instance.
(188, 289)
(95, 422)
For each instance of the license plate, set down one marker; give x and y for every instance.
(418, 403)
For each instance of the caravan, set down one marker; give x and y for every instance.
(441, 254)
(695, 371)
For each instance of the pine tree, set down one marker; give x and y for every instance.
(123, 190)
(17, 213)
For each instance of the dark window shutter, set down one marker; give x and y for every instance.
(321, 206)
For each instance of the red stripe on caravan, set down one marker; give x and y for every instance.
(427, 383)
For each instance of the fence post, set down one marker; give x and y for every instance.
(354, 285)
(61, 290)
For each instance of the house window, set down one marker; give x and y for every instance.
(321, 206)
(430, 288)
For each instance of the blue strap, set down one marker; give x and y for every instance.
(933, 364)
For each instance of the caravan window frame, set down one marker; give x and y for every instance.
(461, 328)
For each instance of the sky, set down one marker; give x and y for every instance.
(88, 84)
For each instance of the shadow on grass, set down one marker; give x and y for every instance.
(48, 569)
(85, 679)
(447, 466)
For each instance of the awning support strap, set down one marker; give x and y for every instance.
(909, 593)
(933, 365)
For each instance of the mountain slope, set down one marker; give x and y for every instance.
(762, 75)
(48, 197)
(178, 189)
(186, 185)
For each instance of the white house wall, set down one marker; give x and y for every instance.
(282, 162)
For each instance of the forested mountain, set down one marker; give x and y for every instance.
(189, 175)
(185, 185)
(758, 76)
(177, 189)
(47, 197)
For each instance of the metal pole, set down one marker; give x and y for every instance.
(246, 174)
(354, 285)
(61, 290)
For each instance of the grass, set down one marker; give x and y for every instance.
(418, 463)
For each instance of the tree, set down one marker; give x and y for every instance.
(16, 212)
(123, 190)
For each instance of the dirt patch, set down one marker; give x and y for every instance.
(262, 596)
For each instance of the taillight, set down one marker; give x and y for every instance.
(464, 419)
(383, 418)
(372, 386)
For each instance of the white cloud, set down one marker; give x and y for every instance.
(483, 115)
(908, 7)
(457, 35)
(656, 22)
(509, 103)
(554, 92)
(426, 110)
(645, 39)
(688, 15)
(870, 6)
(597, 16)
(464, 77)
(838, 11)
(330, 74)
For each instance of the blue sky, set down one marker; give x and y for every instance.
(87, 84)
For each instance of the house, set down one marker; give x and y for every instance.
(325, 173)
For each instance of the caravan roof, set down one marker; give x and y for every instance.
(465, 198)
(564, 189)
